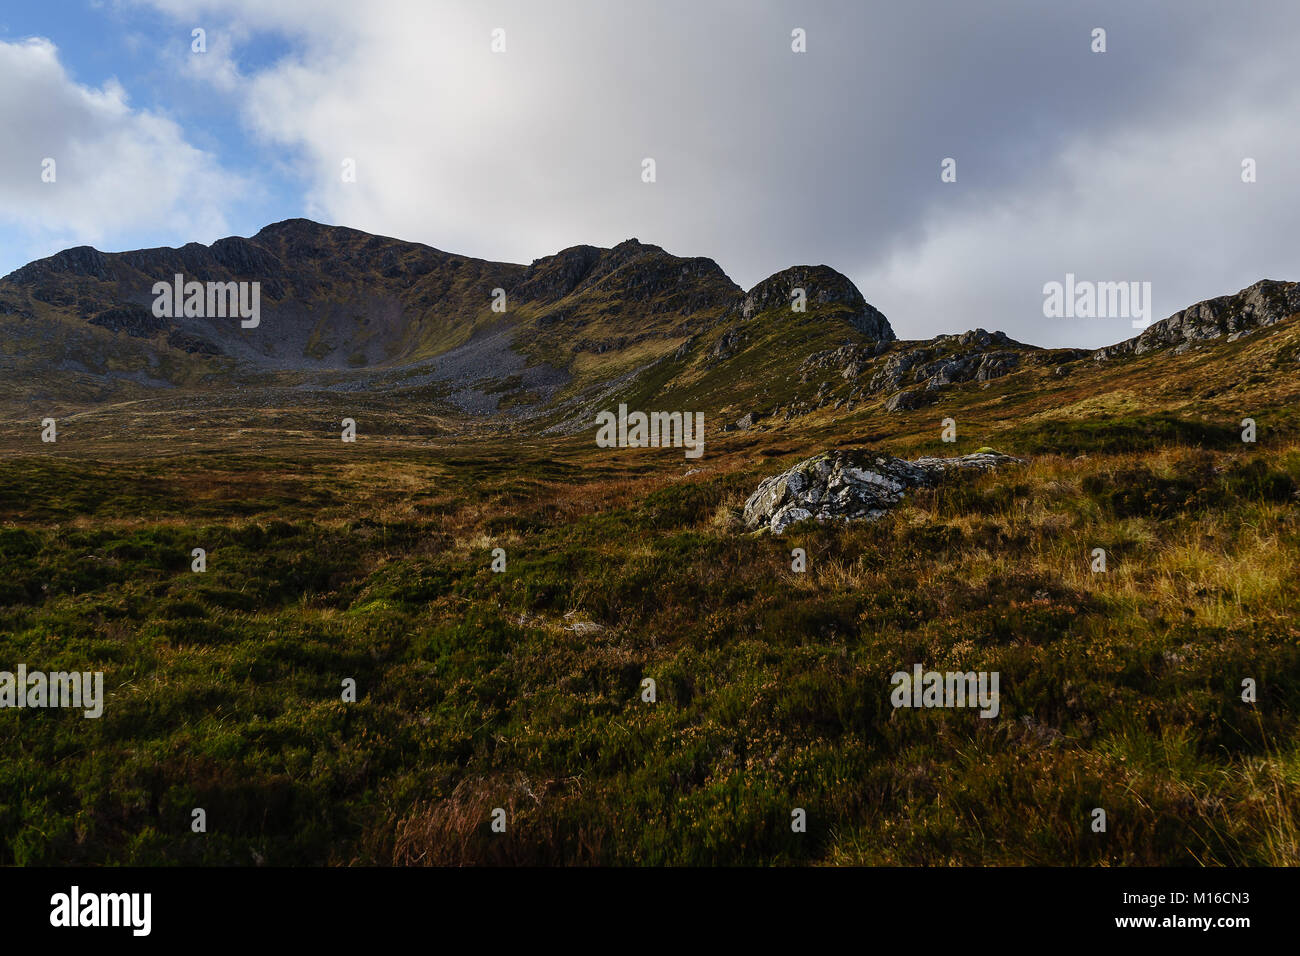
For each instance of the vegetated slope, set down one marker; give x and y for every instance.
(344, 310)
(524, 689)
(79, 325)
(352, 321)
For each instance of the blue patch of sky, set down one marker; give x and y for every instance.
(103, 40)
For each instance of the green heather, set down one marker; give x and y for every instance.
(521, 690)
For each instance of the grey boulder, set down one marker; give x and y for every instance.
(857, 485)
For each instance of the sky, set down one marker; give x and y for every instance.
(1117, 166)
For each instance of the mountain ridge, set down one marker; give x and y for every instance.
(351, 312)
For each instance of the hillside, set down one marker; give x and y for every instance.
(345, 311)
(524, 687)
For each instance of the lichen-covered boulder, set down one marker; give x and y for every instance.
(857, 485)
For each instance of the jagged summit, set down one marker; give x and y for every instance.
(340, 302)
(77, 261)
(296, 225)
(633, 270)
(347, 311)
(822, 287)
(1257, 306)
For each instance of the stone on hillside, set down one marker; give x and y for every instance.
(856, 485)
(727, 346)
(905, 401)
(995, 365)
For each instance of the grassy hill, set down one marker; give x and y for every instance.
(523, 689)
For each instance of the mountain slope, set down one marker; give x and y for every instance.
(344, 309)
(349, 318)
(1259, 306)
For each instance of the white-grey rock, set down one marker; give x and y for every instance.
(1259, 306)
(856, 485)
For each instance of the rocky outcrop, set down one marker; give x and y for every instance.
(243, 257)
(905, 400)
(1265, 303)
(134, 320)
(552, 278)
(632, 275)
(847, 361)
(728, 344)
(79, 261)
(192, 344)
(823, 287)
(979, 339)
(897, 368)
(977, 356)
(858, 485)
(11, 308)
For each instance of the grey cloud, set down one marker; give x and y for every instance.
(768, 158)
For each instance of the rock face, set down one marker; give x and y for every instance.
(1258, 306)
(858, 485)
(727, 346)
(822, 286)
(134, 320)
(641, 277)
(83, 261)
(905, 401)
(948, 359)
(911, 374)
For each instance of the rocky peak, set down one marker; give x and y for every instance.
(84, 261)
(297, 230)
(1265, 303)
(651, 280)
(823, 287)
(553, 277)
(980, 339)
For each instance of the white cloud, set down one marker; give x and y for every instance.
(1114, 166)
(1158, 198)
(514, 155)
(116, 169)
